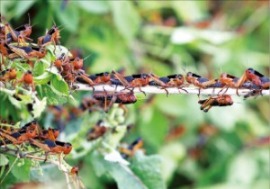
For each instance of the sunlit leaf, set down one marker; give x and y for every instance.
(21, 169)
(97, 7)
(125, 18)
(23, 6)
(148, 169)
(3, 160)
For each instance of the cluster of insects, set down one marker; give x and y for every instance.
(251, 79)
(32, 133)
(16, 43)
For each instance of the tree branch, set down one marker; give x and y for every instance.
(158, 90)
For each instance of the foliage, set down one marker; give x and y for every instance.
(220, 149)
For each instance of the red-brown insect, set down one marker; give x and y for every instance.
(37, 53)
(20, 136)
(28, 79)
(74, 173)
(132, 148)
(20, 35)
(77, 63)
(221, 100)
(97, 131)
(90, 104)
(175, 133)
(19, 52)
(122, 98)
(8, 75)
(53, 146)
(199, 81)
(52, 36)
(26, 52)
(176, 80)
(130, 82)
(256, 78)
(101, 78)
(228, 81)
(92, 80)
(50, 134)
(83, 78)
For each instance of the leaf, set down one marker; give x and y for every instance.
(98, 7)
(59, 84)
(43, 79)
(3, 160)
(148, 169)
(153, 123)
(39, 106)
(243, 169)
(53, 96)
(69, 16)
(188, 10)
(171, 154)
(39, 68)
(121, 173)
(21, 169)
(126, 18)
(22, 7)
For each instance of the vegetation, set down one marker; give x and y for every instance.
(183, 147)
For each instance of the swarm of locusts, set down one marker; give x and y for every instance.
(17, 44)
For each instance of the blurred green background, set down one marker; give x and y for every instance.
(224, 148)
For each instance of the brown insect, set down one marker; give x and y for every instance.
(20, 35)
(199, 81)
(132, 148)
(77, 63)
(221, 100)
(20, 136)
(28, 79)
(97, 131)
(256, 78)
(8, 75)
(131, 82)
(176, 80)
(52, 36)
(122, 98)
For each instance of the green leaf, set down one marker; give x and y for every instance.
(126, 18)
(69, 16)
(52, 95)
(39, 68)
(243, 169)
(172, 154)
(43, 79)
(121, 173)
(148, 169)
(98, 7)
(124, 176)
(153, 123)
(3, 160)
(21, 169)
(22, 7)
(39, 106)
(59, 84)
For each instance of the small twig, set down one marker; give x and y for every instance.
(157, 90)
